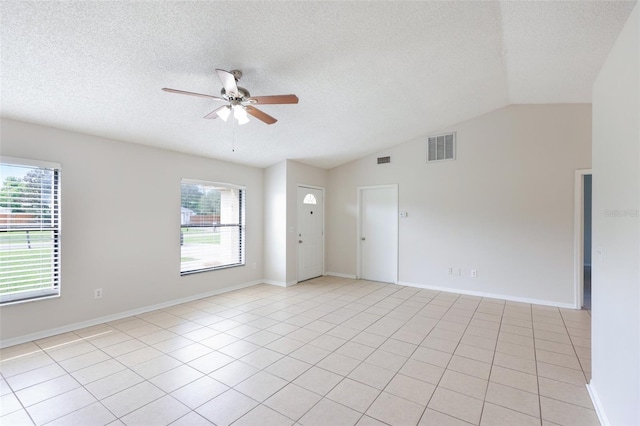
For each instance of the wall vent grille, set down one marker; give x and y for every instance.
(441, 147)
(384, 160)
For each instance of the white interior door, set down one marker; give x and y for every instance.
(310, 233)
(378, 236)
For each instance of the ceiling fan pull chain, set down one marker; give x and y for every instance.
(233, 136)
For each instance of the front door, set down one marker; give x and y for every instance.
(310, 233)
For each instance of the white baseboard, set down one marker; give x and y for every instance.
(340, 275)
(276, 283)
(280, 283)
(490, 295)
(96, 321)
(597, 404)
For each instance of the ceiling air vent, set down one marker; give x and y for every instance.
(384, 160)
(441, 147)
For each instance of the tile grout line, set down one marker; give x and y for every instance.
(495, 349)
(345, 377)
(574, 347)
(409, 357)
(376, 348)
(286, 355)
(449, 362)
(535, 359)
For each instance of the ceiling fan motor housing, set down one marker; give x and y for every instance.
(242, 94)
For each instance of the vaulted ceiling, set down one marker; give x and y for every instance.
(369, 75)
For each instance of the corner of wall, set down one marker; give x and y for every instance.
(597, 404)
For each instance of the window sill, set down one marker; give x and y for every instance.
(217, 268)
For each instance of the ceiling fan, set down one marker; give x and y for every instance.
(240, 100)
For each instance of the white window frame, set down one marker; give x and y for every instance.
(54, 290)
(240, 224)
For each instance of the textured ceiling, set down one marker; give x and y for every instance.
(369, 75)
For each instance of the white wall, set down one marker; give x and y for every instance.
(120, 226)
(615, 382)
(504, 207)
(275, 223)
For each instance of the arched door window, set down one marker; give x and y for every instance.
(309, 199)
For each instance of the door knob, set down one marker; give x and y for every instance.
(300, 241)
(363, 238)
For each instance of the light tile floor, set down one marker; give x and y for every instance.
(329, 351)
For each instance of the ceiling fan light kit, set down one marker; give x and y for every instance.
(239, 100)
(240, 114)
(223, 112)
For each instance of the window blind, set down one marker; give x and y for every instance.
(29, 230)
(211, 226)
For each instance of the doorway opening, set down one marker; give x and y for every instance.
(586, 270)
(582, 243)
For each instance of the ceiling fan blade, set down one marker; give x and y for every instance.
(260, 115)
(214, 113)
(275, 99)
(182, 92)
(228, 82)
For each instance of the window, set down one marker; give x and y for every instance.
(211, 226)
(309, 199)
(29, 230)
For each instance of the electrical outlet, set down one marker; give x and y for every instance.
(474, 273)
(97, 293)
(253, 265)
(450, 271)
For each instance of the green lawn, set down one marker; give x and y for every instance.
(12, 262)
(13, 237)
(200, 236)
(15, 256)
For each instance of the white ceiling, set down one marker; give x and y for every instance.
(369, 75)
